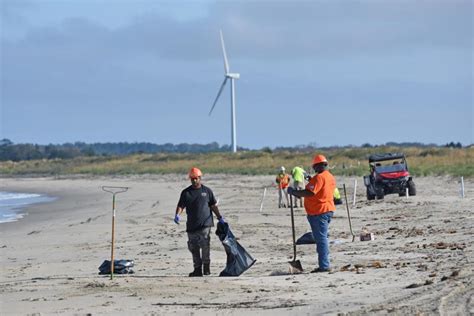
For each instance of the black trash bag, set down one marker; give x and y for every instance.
(306, 239)
(120, 267)
(238, 259)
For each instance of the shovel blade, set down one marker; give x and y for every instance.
(295, 266)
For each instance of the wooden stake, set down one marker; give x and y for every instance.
(263, 197)
(355, 192)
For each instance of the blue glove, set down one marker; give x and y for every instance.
(176, 219)
(290, 190)
(221, 220)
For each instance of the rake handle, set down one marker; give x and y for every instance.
(113, 240)
(114, 191)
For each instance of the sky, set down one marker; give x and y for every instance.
(318, 73)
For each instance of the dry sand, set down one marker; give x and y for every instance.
(419, 263)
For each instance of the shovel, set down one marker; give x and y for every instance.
(295, 265)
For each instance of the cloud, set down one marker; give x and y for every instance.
(12, 11)
(283, 30)
(351, 56)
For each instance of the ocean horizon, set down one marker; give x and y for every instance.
(13, 204)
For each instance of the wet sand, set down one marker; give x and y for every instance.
(419, 263)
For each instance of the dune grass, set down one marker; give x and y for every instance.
(351, 161)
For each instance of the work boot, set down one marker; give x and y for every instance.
(196, 273)
(207, 269)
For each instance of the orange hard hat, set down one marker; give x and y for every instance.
(319, 159)
(194, 173)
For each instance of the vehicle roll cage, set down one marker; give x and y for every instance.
(384, 157)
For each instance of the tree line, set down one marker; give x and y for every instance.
(18, 152)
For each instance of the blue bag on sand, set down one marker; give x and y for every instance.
(306, 239)
(238, 259)
(120, 267)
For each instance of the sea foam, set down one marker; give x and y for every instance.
(12, 204)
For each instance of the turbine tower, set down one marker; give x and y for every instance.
(232, 77)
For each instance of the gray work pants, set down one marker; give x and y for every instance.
(298, 186)
(197, 241)
(281, 193)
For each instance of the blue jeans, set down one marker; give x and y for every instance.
(320, 226)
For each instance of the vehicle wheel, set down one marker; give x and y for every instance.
(380, 194)
(403, 190)
(369, 195)
(411, 188)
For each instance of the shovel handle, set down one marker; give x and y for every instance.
(293, 227)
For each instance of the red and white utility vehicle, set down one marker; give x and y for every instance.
(388, 174)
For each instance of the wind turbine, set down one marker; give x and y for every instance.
(232, 77)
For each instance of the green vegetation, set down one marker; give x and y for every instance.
(422, 161)
(19, 152)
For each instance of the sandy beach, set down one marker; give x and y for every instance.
(419, 263)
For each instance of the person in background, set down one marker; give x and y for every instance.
(319, 206)
(282, 180)
(337, 197)
(200, 203)
(298, 174)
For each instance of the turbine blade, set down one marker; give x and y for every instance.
(218, 95)
(226, 63)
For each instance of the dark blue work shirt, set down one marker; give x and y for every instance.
(197, 203)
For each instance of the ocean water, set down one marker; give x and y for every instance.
(12, 204)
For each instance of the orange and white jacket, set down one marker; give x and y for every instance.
(283, 180)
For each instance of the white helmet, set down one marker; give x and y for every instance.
(282, 168)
